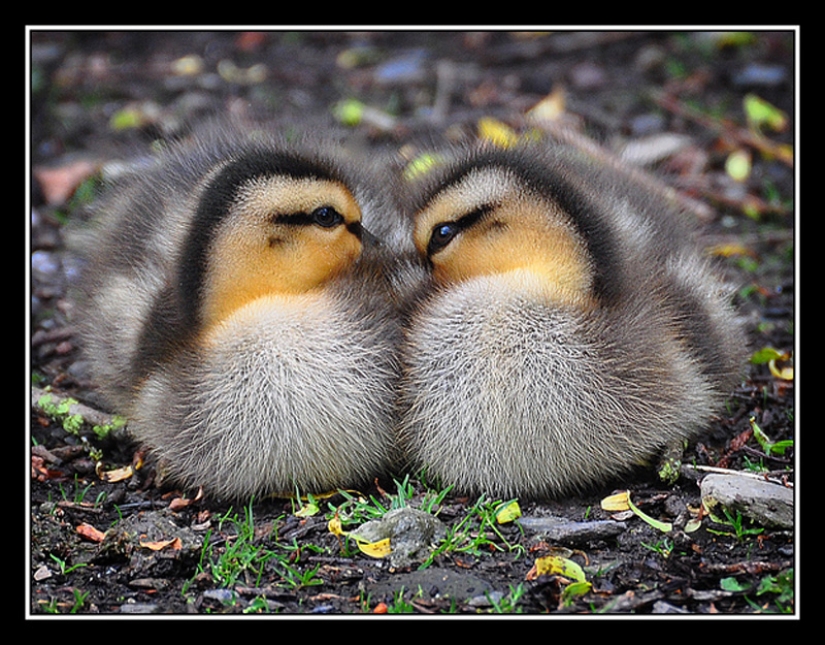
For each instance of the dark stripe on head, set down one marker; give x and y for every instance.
(552, 181)
(214, 206)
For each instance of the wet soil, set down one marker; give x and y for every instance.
(97, 97)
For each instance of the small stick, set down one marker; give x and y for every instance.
(739, 473)
(726, 127)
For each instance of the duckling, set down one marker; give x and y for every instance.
(570, 330)
(239, 316)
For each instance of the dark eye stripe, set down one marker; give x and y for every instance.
(445, 232)
(325, 216)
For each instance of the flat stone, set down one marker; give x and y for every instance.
(765, 503)
(572, 533)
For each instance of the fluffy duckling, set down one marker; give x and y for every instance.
(570, 331)
(239, 317)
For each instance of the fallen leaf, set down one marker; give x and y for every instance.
(90, 533)
(616, 502)
(59, 184)
(421, 165)
(784, 373)
(738, 165)
(731, 250)
(380, 549)
(307, 510)
(621, 502)
(770, 447)
(768, 354)
(191, 65)
(42, 473)
(335, 527)
(134, 116)
(551, 107)
(497, 132)
(575, 589)
(158, 545)
(116, 475)
(761, 113)
(557, 565)
(179, 503)
(508, 512)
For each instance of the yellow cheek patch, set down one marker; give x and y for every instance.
(521, 233)
(302, 259)
(255, 254)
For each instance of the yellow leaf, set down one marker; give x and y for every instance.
(188, 66)
(335, 526)
(616, 502)
(731, 250)
(496, 132)
(508, 512)
(738, 165)
(307, 510)
(551, 107)
(421, 165)
(349, 111)
(621, 502)
(557, 565)
(760, 112)
(380, 549)
(785, 373)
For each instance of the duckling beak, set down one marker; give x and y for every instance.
(368, 239)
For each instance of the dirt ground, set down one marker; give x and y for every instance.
(101, 97)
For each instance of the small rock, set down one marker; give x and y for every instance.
(411, 533)
(572, 533)
(149, 583)
(139, 608)
(45, 265)
(486, 600)
(662, 607)
(648, 150)
(407, 68)
(760, 75)
(587, 76)
(221, 595)
(764, 502)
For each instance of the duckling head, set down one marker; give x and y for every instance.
(489, 220)
(267, 226)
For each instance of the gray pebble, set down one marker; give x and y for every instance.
(572, 533)
(765, 503)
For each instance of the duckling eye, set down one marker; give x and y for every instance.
(441, 236)
(326, 216)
